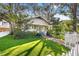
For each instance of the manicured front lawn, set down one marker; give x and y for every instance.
(35, 48)
(9, 41)
(30, 46)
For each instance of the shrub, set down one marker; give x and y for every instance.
(19, 35)
(58, 35)
(23, 35)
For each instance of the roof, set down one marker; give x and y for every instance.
(39, 17)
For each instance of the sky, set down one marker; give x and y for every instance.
(62, 17)
(58, 14)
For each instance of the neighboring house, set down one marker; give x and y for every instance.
(39, 24)
(4, 26)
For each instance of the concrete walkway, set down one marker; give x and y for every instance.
(57, 40)
(4, 33)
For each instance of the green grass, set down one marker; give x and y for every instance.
(9, 41)
(56, 48)
(31, 46)
(34, 48)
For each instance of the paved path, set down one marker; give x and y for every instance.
(57, 40)
(4, 33)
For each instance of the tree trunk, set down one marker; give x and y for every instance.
(11, 28)
(74, 9)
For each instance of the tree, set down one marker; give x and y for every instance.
(74, 11)
(70, 11)
(13, 15)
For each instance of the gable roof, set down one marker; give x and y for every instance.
(39, 17)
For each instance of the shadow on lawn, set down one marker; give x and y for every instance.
(43, 47)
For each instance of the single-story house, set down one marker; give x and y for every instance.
(39, 24)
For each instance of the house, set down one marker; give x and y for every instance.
(4, 26)
(39, 24)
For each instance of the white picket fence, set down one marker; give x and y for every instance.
(72, 41)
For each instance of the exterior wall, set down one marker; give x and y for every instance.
(50, 27)
(38, 25)
(38, 28)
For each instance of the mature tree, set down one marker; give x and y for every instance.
(71, 10)
(74, 11)
(13, 15)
